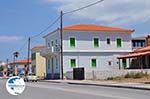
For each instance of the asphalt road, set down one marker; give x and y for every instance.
(44, 90)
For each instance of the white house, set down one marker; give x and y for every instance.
(90, 46)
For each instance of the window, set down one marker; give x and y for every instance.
(133, 44)
(48, 44)
(72, 63)
(48, 63)
(119, 42)
(33, 56)
(56, 63)
(108, 41)
(52, 42)
(96, 42)
(109, 63)
(56, 42)
(72, 42)
(93, 63)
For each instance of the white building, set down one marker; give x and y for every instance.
(90, 46)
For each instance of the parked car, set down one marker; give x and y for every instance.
(31, 77)
(23, 77)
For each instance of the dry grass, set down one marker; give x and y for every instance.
(139, 77)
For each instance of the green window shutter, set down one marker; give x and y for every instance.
(119, 42)
(72, 63)
(96, 42)
(93, 63)
(72, 42)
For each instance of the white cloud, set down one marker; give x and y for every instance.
(10, 38)
(118, 12)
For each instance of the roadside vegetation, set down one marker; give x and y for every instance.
(132, 76)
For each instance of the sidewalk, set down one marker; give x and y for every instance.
(115, 84)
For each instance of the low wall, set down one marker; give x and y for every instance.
(100, 75)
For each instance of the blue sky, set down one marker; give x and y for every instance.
(20, 19)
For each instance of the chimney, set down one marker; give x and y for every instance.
(148, 40)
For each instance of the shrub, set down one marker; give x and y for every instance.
(114, 78)
(129, 75)
(136, 75)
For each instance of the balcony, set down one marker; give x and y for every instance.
(51, 51)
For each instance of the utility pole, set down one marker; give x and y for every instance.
(61, 40)
(15, 58)
(28, 63)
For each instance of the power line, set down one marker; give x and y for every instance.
(22, 47)
(46, 28)
(84, 7)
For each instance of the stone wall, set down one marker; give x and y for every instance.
(101, 75)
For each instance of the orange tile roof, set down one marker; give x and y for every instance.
(138, 52)
(92, 27)
(22, 61)
(143, 49)
(39, 46)
(134, 55)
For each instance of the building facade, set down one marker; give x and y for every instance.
(19, 67)
(138, 42)
(140, 57)
(38, 61)
(85, 45)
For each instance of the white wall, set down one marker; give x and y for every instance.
(84, 41)
(85, 51)
(53, 37)
(84, 60)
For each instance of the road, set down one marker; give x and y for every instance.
(44, 90)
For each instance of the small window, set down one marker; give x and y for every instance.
(52, 42)
(56, 63)
(33, 56)
(48, 44)
(96, 42)
(72, 63)
(133, 44)
(93, 63)
(56, 42)
(119, 42)
(109, 63)
(72, 42)
(108, 41)
(48, 63)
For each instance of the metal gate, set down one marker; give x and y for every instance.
(78, 74)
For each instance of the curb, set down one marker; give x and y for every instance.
(49, 81)
(115, 86)
(103, 85)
